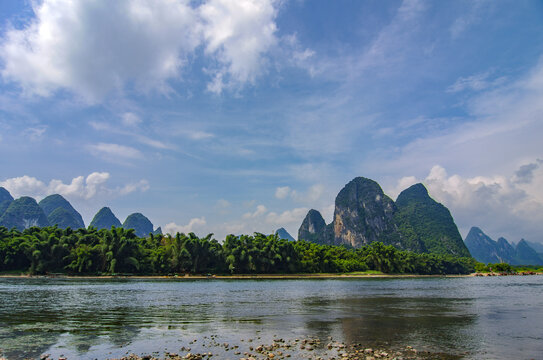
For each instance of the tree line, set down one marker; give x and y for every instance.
(119, 251)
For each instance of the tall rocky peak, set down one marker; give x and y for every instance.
(312, 226)
(140, 223)
(105, 219)
(506, 251)
(5, 195)
(60, 212)
(364, 214)
(23, 213)
(426, 225)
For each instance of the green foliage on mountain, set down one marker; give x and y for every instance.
(105, 219)
(118, 250)
(64, 219)
(142, 225)
(4, 206)
(23, 213)
(425, 225)
(67, 218)
(364, 214)
(5, 195)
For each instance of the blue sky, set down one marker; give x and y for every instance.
(234, 117)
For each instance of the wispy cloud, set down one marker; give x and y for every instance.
(115, 152)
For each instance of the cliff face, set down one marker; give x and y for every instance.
(364, 214)
(312, 227)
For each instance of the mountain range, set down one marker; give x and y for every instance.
(487, 250)
(54, 209)
(364, 214)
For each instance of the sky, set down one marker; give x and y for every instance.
(222, 117)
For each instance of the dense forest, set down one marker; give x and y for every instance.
(119, 251)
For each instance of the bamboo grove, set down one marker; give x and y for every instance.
(90, 251)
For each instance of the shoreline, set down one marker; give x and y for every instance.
(254, 276)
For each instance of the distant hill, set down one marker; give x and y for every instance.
(60, 212)
(486, 250)
(5, 200)
(23, 213)
(105, 219)
(364, 214)
(141, 224)
(5, 195)
(283, 234)
(536, 246)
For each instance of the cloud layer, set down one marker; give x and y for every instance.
(92, 48)
(82, 188)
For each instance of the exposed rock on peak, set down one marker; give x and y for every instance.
(364, 214)
(312, 227)
(105, 219)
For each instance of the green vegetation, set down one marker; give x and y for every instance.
(507, 268)
(426, 225)
(117, 250)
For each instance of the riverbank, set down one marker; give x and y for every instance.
(257, 276)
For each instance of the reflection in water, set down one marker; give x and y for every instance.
(487, 317)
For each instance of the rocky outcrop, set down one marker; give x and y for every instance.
(5, 200)
(105, 219)
(426, 225)
(364, 214)
(23, 213)
(312, 228)
(60, 212)
(282, 233)
(140, 223)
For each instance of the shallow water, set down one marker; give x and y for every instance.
(489, 317)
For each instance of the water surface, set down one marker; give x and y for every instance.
(490, 317)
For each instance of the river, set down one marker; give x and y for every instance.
(465, 317)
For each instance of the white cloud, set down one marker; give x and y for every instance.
(34, 133)
(288, 217)
(194, 224)
(93, 48)
(114, 152)
(237, 34)
(282, 192)
(260, 210)
(130, 119)
(80, 187)
(312, 194)
(501, 205)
